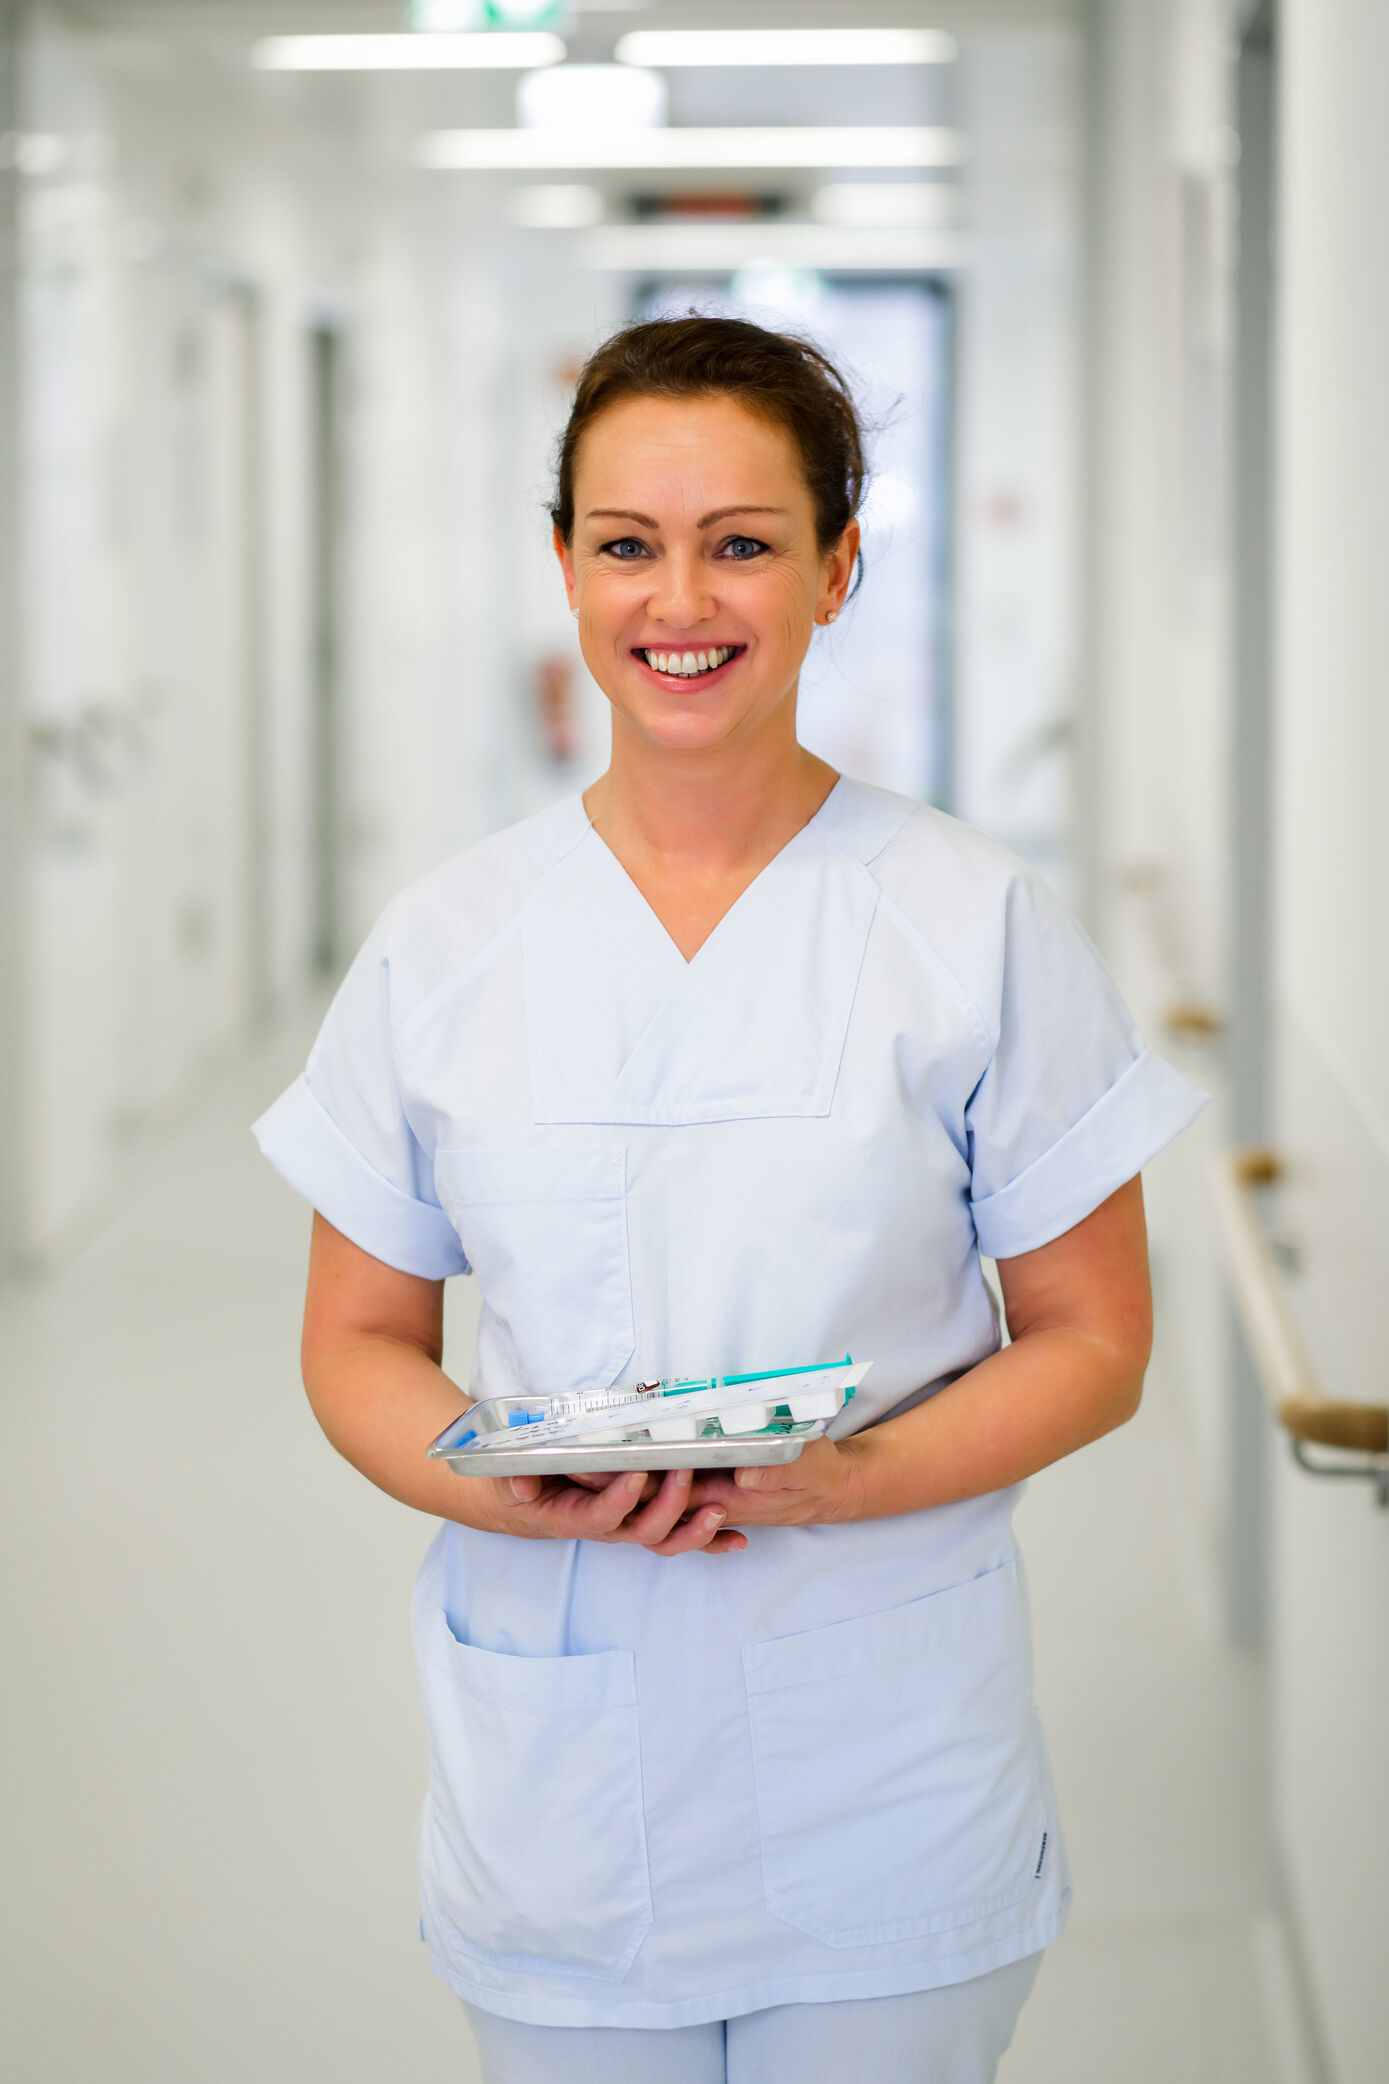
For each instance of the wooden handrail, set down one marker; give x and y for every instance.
(1274, 1340)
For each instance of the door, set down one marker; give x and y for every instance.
(326, 759)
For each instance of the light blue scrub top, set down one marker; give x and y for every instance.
(670, 1790)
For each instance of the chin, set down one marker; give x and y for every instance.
(683, 732)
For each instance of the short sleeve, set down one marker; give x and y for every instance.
(1072, 1104)
(341, 1136)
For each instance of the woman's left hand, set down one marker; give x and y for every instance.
(823, 1484)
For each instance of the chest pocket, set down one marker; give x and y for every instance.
(545, 1230)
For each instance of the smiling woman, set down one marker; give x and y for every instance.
(733, 1065)
(697, 604)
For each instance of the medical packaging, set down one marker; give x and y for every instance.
(700, 1422)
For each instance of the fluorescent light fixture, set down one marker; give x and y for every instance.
(722, 249)
(787, 47)
(556, 206)
(487, 51)
(923, 203)
(607, 98)
(746, 146)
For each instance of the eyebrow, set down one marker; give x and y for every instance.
(645, 520)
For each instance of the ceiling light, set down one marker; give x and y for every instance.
(556, 206)
(787, 47)
(432, 53)
(885, 202)
(591, 97)
(721, 249)
(749, 145)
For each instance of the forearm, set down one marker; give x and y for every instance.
(381, 1401)
(1023, 1408)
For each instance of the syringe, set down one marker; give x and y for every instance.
(673, 1409)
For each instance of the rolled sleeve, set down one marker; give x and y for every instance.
(1072, 1103)
(306, 1146)
(344, 1134)
(1141, 1113)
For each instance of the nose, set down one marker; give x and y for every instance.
(680, 595)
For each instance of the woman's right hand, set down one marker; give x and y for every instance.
(554, 1509)
(373, 1347)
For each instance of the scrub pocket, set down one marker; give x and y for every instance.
(535, 1829)
(544, 1227)
(898, 1786)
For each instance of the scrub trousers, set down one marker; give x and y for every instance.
(954, 2035)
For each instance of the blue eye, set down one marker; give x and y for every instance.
(626, 549)
(743, 547)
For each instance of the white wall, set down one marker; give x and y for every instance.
(187, 230)
(1331, 1633)
(161, 512)
(1164, 767)
(1016, 578)
(1155, 757)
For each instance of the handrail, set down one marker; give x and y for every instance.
(1273, 1337)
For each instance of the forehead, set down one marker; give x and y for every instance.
(686, 452)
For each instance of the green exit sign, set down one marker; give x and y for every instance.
(451, 16)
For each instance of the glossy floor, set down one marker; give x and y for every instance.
(210, 1744)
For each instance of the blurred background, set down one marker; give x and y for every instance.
(292, 296)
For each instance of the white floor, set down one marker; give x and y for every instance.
(210, 1748)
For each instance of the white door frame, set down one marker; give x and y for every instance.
(11, 701)
(1249, 1059)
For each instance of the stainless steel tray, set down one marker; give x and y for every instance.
(578, 1457)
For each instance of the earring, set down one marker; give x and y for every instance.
(831, 614)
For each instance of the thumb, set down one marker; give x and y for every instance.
(752, 1477)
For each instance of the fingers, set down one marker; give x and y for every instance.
(653, 1524)
(605, 1511)
(667, 1527)
(565, 1511)
(772, 1476)
(703, 1530)
(663, 1522)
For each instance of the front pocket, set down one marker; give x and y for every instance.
(544, 1227)
(896, 1766)
(535, 1833)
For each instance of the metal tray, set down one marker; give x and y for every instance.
(580, 1458)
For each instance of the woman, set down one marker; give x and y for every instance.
(734, 1064)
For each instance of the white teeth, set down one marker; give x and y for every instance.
(687, 663)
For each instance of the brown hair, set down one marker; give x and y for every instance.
(774, 375)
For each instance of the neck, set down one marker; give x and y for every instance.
(718, 805)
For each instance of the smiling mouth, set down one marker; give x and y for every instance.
(689, 665)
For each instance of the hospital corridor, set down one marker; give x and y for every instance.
(297, 301)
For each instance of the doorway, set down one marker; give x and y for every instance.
(326, 762)
(1251, 921)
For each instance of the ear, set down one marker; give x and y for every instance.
(566, 565)
(838, 573)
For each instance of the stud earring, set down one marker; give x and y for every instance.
(831, 614)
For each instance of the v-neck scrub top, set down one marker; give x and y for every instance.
(666, 1790)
